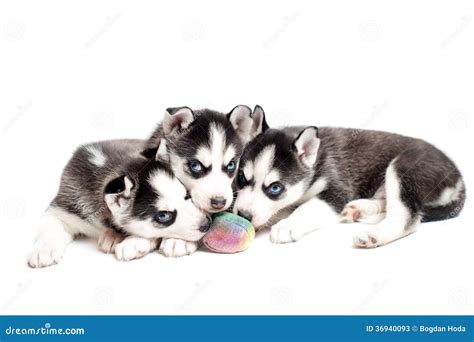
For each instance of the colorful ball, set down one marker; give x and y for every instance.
(229, 233)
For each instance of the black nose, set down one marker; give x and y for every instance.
(205, 225)
(245, 215)
(218, 202)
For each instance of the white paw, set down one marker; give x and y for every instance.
(363, 210)
(284, 232)
(349, 214)
(46, 253)
(109, 240)
(367, 239)
(134, 247)
(175, 248)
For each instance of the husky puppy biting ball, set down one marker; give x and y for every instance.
(298, 179)
(204, 147)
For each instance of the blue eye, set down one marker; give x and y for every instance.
(164, 217)
(275, 189)
(196, 167)
(231, 166)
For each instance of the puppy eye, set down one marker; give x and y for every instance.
(275, 189)
(188, 196)
(241, 180)
(164, 217)
(196, 167)
(231, 166)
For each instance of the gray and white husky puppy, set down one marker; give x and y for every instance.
(204, 148)
(111, 192)
(297, 179)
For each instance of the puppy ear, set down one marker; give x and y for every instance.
(150, 152)
(118, 194)
(157, 152)
(162, 152)
(177, 119)
(306, 145)
(240, 118)
(259, 122)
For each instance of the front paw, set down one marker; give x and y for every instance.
(175, 248)
(134, 247)
(285, 232)
(349, 214)
(109, 240)
(45, 253)
(367, 239)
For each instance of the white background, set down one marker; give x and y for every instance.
(76, 72)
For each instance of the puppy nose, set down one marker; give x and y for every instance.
(245, 215)
(218, 202)
(205, 225)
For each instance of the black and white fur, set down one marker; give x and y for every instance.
(297, 179)
(204, 148)
(111, 192)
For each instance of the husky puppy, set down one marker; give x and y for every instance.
(110, 192)
(296, 179)
(204, 148)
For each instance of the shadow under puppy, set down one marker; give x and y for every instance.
(111, 192)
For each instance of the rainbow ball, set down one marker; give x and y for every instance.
(229, 233)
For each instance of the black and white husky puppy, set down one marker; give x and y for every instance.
(204, 148)
(111, 192)
(297, 179)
